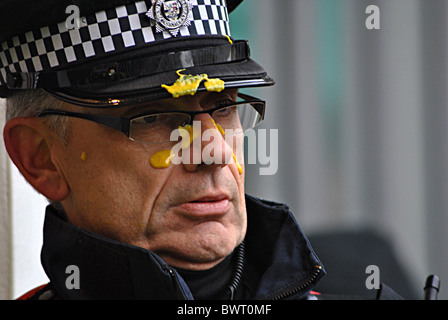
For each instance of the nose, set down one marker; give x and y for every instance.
(209, 147)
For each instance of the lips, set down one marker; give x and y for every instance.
(211, 198)
(206, 206)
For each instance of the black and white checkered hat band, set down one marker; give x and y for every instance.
(110, 31)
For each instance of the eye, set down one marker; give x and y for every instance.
(149, 120)
(224, 111)
(146, 120)
(224, 102)
(226, 114)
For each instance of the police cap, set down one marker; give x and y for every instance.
(100, 53)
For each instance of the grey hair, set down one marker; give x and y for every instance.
(29, 103)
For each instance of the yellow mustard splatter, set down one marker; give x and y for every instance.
(240, 168)
(83, 157)
(161, 159)
(189, 84)
(214, 85)
(219, 127)
(221, 130)
(192, 134)
(228, 38)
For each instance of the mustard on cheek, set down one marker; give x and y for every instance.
(161, 159)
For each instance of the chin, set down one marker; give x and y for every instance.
(201, 254)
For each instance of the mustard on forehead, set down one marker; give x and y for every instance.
(189, 84)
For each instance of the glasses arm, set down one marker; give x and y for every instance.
(117, 123)
(124, 124)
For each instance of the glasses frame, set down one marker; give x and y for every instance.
(123, 124)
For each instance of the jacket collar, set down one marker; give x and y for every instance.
(278, 256)
(108, 269)
(286, 262)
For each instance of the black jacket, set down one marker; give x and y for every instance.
(279, 262)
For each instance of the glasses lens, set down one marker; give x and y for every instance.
(157, 128)
(242, 116)
(249, 116)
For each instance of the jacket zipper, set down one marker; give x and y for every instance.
(176, 281)
(303, 285)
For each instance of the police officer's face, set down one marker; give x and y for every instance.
(192, 215)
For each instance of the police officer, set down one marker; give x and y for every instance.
(95, 92)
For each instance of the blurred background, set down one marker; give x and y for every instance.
(363, 132)
(362, 119)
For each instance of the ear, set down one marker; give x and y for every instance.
(28, 142)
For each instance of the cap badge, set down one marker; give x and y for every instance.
(170, 15)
